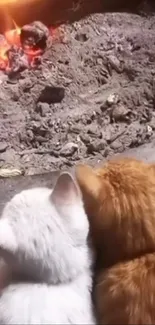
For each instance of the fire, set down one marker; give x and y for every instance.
(10, 2)
(13, 36)
(11, 41)
(4, 2)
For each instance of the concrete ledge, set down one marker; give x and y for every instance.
(10, 186)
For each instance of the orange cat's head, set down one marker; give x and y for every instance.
(119, 199)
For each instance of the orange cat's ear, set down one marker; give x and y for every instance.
(88, 181)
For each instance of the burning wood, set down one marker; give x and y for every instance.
(19, 48)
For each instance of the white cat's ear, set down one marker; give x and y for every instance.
(8, 243)
(66, 190)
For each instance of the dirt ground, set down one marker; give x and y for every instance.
(93, 95)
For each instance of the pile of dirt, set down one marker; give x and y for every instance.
(92, 95)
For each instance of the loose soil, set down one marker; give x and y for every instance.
(93, 95)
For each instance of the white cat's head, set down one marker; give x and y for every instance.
(43, 232)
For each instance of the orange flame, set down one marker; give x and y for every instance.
(11, 37)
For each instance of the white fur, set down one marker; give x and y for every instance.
(49, 243)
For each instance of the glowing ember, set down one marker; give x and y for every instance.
(20, 47)
(4, 2)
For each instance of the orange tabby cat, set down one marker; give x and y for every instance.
(120, 202)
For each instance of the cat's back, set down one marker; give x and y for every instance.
(125, 293)
(120, 202)
(48, 304)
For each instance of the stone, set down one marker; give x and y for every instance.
(42, 109)
(115, 63)
(85, 138)
(69, 149)
(96, 146)
(116, 145)
(3, 147)
(112, 99)
(120, 113)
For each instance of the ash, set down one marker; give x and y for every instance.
(92, 95)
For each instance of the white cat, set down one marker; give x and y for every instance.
(43, 235)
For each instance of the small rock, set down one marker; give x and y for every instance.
(99, 61)
(69, 149)
(52, 95)
(98, 135)
(112, 99)
(40, 139)
(116, 145)
(115, 63)
(39, 128)
(104, 107)
(95, 146)
(120, 113)
(94, 133)
(149, 131)
(3, 147)
(42, 109)
(30, 134)
(75, 129)
(106, 152)
(107, 135)
(85, 138)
